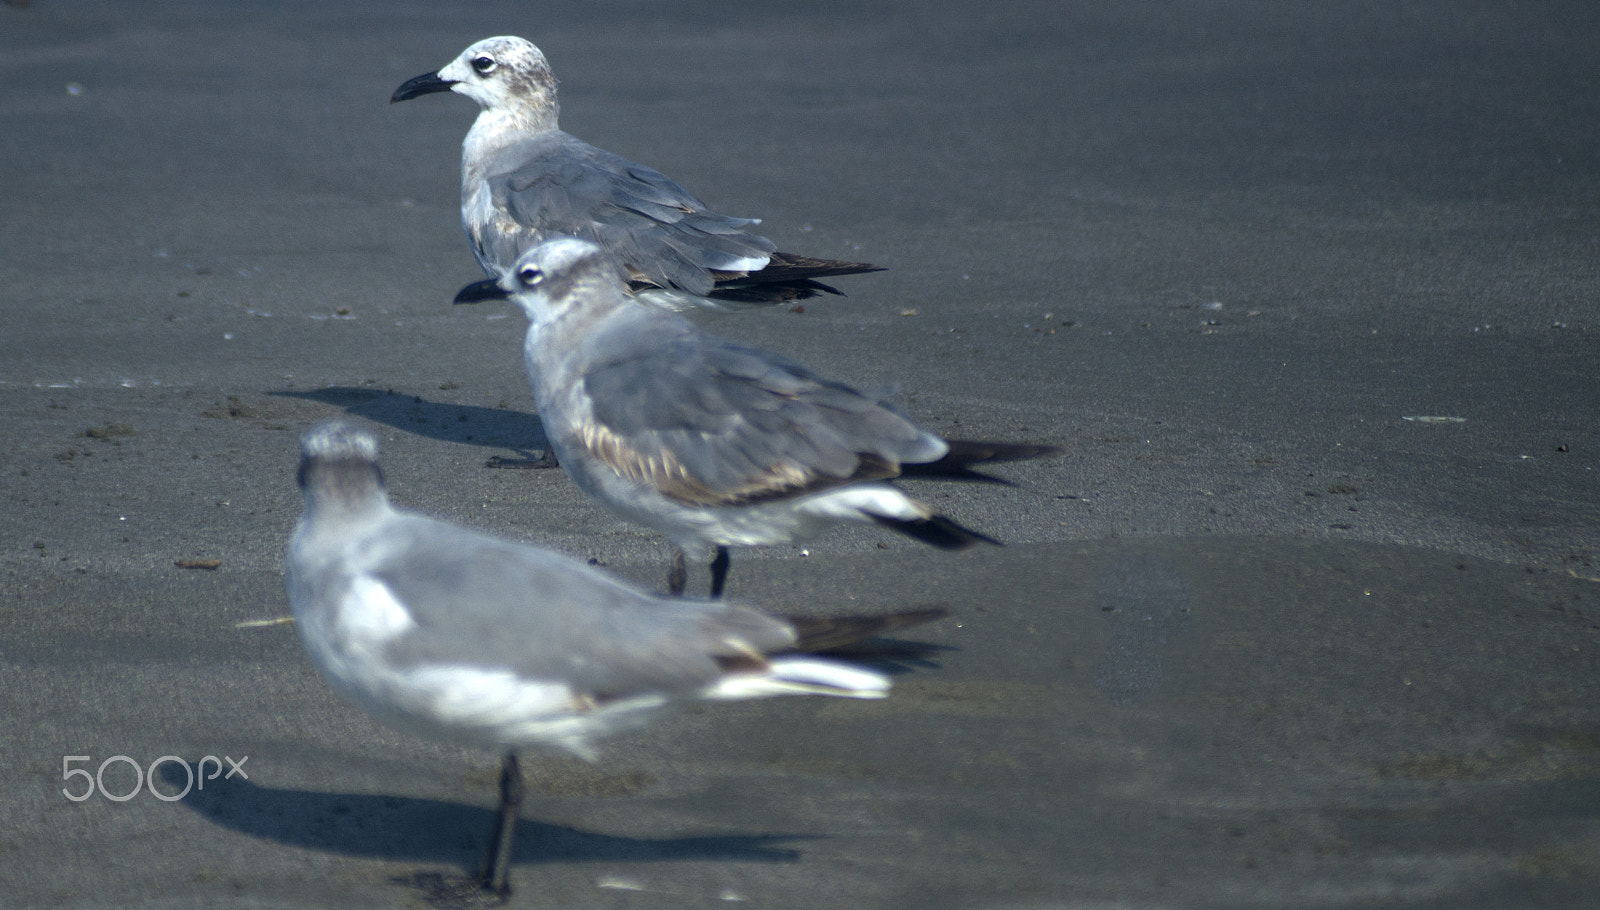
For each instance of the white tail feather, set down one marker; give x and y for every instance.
(803, 676)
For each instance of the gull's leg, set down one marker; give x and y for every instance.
(496, 876)
(719, 572)
(547, 460)
(678, 577)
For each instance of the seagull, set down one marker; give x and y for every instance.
(523, 180)
(708, 442)
(472, 639)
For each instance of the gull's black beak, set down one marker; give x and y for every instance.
(479, 291)
(425, 84)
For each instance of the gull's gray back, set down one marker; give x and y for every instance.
(487, 603)
(741, 424)
(553, 183)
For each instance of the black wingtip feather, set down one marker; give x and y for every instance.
(787, 277)
(938, 531)
(788, 266)
(772, 293)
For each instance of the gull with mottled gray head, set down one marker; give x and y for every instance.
(523, 181)
(711, 443)
(473, 639)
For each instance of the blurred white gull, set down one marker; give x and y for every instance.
(467, 638)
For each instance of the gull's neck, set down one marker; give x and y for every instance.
(589, 300)
(341, 493)
(498, 129)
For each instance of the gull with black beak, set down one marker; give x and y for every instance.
(711, 443)
(472, 639)
(523, 181)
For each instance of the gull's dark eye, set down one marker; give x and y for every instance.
(484, 64)
(529, 275)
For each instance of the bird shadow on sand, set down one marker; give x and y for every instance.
(404, 828)
(497, 428)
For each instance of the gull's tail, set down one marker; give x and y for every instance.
(800, 675)
(786, 277)
(963, 454)
(794, 671)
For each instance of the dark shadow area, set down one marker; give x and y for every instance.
(431, 831)
(860, 639)
(893, 656)
(459, 423)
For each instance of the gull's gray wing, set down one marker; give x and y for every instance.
(708, 422)
(554, 183)
(487, 603)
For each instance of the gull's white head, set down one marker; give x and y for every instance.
(505, 75)
(562, 275)
(339, 467)
(337, 440)
(565, 273)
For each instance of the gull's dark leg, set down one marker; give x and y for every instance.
(719, 572)
(678, 577)
(496, 875)
(547, 460)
